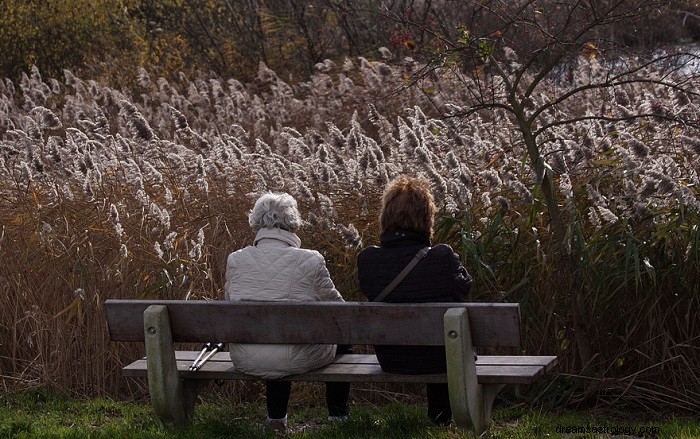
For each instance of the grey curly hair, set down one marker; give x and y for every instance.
(275, 210)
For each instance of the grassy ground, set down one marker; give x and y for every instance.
(41, 414)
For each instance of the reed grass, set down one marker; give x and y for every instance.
(109, 194)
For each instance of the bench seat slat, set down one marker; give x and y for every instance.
(224, 356)
(365, 368)
(482, 360)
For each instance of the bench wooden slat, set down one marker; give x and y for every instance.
(545, 361)
(365, 368)
(548, 362)
(493, 324)
(224, 356)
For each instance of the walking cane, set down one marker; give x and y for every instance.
(207, 347)
(206, 353)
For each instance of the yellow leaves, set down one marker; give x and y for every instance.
(495, 159)
(565, 344)
(73, 312)
(271, 23)
(590, 50)
(465, 35)
(564, 341)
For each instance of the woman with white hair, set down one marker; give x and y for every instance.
(276, 268)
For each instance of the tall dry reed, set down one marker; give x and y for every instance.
(108, 194)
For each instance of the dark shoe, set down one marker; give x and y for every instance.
(279, 426)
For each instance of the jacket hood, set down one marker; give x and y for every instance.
(279, 235)
(403, 237)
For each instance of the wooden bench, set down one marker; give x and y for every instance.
(460, 327)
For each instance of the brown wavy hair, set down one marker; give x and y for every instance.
(408, 204)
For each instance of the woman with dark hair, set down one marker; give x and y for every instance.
(406, 221)
(276, 268)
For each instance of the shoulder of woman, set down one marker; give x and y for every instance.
(236, 254)
(442, 248)
(313, 255)
(367, 252)
(443, 251)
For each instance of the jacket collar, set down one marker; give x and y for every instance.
(279, 235)
(403, 237)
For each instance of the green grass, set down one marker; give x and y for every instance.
(42, 414)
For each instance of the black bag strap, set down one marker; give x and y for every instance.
(399, 277)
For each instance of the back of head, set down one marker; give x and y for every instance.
(275, 210)
(408, 204)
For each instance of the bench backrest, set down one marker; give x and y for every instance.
(492, 324)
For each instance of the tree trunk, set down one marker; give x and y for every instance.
(564, 257)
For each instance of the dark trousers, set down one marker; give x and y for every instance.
(439, 410)
(337, 394)
(416, 360)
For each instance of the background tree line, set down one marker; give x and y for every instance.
(109, 39)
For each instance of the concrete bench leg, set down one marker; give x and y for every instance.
(173, 399)
(471, 402)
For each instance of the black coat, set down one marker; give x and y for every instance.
(438, 277)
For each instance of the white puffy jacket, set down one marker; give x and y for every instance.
(275, 268)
